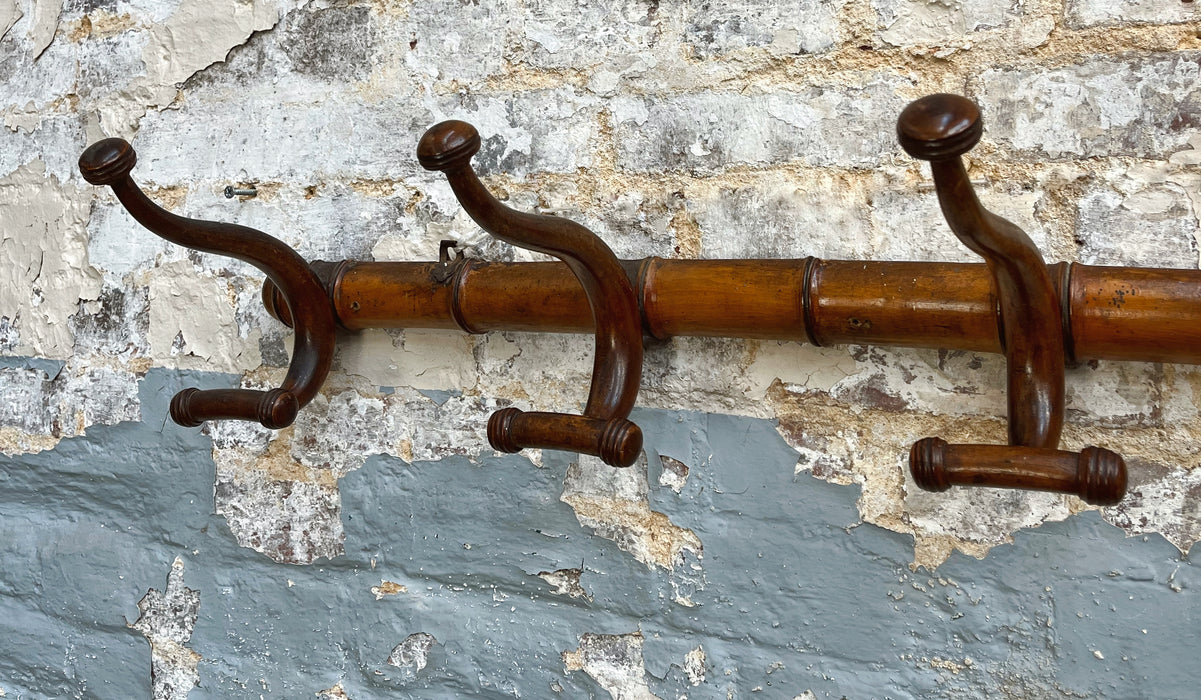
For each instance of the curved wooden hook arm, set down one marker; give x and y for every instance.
(109, 162)
(617, 369)
(940, 129)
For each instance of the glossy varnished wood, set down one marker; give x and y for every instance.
(1040, 316)
(109, 162)
(1114, 313)
(617, 367)
(940, 129)
(1096, 475)
(1130, 313)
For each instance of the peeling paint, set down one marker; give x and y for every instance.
(566, 582)
(694, 666)
(334, 693)
(674, 474)
(413, 653)
(614, 504)
(44, 260)
(388, 588)
(10, 12)
(45, 24)
(614, 661)
(167, 621)
(197, 34)
(192, 322)
(40, 408)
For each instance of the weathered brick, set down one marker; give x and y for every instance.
(292, 522)
(64, 405)
(587, 33)
(849, 127)
(716, 27)
(907, 223)
(822, 216)
(119, 245)
(533, 131)
(222, 139)
(634, 224)
(9, 335)
(336, 43)
(116, 324)
(244, 137)
(1152, 226)
(917, 22)
(1143, 106)
(1086, 13)
(167, 621)
(834, 217)
(1161, 499)
(467, 49)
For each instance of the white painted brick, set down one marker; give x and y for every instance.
(716, 27)
(66, 404)
(468, 48)
(979, 515)
(559, 34)
(703, 132)
(633, 223)
(220, 140)
(907, 222)
(834, 217)
(1161, 499)
(343, 137)
(1086, 13)
(534, 131)
(922, 22)
(294, 522)
(820, 216)
(28, 81)
(1154, 226)
(1144, 106)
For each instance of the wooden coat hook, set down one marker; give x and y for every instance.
(940, 129)
(603, 430)
(1039, 316)
(109, 162)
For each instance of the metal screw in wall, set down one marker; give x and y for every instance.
(231, 192)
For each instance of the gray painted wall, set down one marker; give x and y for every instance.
(794, 594)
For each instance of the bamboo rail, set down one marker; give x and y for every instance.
(1110, 313)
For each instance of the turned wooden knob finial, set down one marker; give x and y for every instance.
(1101, 476)
(107, 162)
(447, 145)
(939, 127)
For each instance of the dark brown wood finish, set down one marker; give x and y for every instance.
(1146, 315)
(1038, 315)
(1095, 474)
(940, 129)
(603, 430)
(109, 162)
(1114, 313)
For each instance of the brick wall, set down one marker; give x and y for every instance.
(690, 129)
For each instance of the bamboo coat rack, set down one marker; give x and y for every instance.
(1039, 316)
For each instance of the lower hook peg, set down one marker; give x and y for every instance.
(1095, 474)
